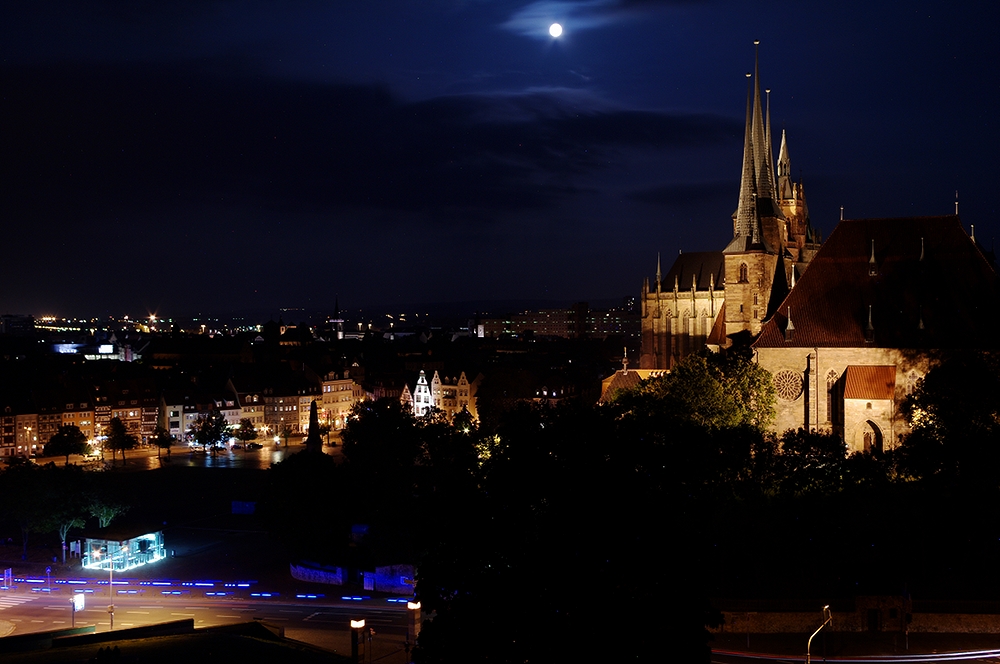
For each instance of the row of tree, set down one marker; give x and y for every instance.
(49, 499)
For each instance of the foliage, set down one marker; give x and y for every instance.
(245, 432)
(811, 463)
(211, 429)
(119, 438)
(163, 440)
(955, 418)
(68, 440)
(711, 391)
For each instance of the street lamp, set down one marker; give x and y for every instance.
(828, 619)
(412, 623)
(356, 628)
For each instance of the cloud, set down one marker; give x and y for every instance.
(534, 19)
(128, 139)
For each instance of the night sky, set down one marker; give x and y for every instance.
(181, 157)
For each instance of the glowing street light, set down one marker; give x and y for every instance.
(357, 626)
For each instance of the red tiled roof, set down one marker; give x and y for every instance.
(863, 382)
(952, 291)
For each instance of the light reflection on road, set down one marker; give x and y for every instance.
(185, 457)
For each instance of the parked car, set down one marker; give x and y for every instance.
(254, 446)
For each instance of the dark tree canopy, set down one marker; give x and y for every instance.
(119, 437)
(68, 440)
(955, 418)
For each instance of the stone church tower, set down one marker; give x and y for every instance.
(707, 298)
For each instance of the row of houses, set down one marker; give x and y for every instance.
(276, 402)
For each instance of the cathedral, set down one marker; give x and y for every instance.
(882, 303)
(708, 297)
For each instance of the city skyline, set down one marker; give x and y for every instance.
(231, 156)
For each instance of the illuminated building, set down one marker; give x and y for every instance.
(340, 393)
(707, 297)
(449, 395)
(884, 301)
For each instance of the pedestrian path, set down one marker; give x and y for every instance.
(7, 601)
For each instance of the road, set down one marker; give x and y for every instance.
(323, 624)
(182, 455)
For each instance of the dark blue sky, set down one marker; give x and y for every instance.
(210, 156)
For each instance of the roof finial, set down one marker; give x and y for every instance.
(625, 361)
(793, 276)
(956, 202)
(657, 267)
(872, 265)
(921, 249)
(870, 329)
(841, 212)
(789, 327)
(973, 234)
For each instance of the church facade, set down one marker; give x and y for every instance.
(884, 301)
(707, 297)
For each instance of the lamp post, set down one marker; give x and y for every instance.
(111, 577)
(412, 624)
(357, 626)
(828, 618)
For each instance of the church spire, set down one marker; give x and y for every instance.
(784, 170)
(760, 150)
(746, 210)
(767, 139)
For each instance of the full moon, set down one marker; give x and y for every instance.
(555, 29)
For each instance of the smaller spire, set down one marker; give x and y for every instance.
(956, 202)
(872, 265)
(625, 361)
(789, 327)
(921, 249)
(869, 329)
(841, 212)
(793, 276)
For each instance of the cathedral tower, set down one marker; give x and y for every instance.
(708, 297)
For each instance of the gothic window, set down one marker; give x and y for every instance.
(744, 273)
(832, 401)
(788, 385)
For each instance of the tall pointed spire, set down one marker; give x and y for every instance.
(746, 210)
(767, 139)
(760, 151)
(784, 170)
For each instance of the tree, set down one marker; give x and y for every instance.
(119, 438)
(163, 440)
(713, 391)
(68, 440)
(19, 485)
(105, 507)
(955, 418)
(246, 432)
(62, 503)
(811, 463)
(210, 430)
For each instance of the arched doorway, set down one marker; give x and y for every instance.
(872, 437)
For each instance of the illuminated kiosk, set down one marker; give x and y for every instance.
(118, 552)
